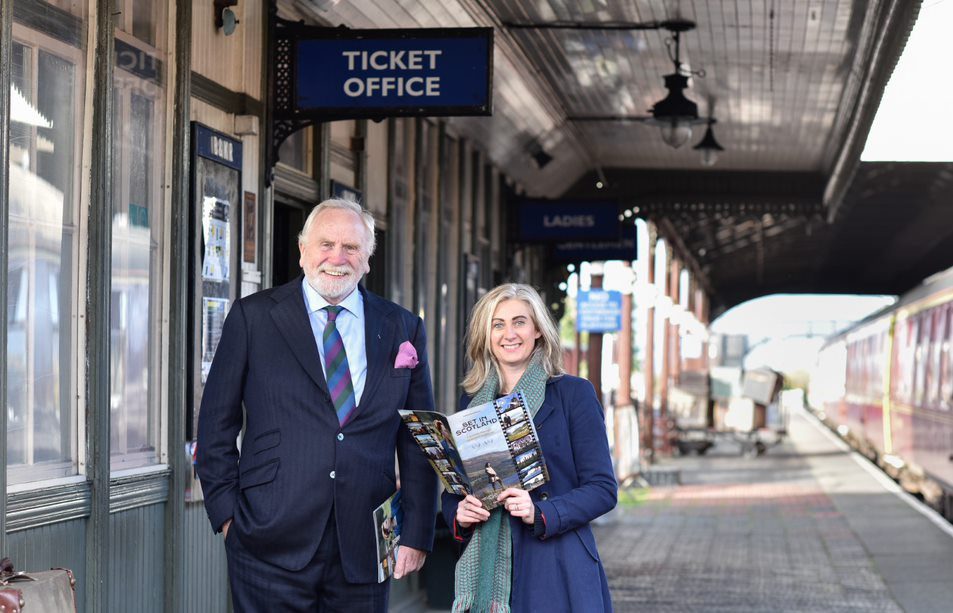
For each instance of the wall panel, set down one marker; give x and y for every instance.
(206, 572)
(136, 575)
(60, 545)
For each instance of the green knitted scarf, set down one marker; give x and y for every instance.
(484, 572)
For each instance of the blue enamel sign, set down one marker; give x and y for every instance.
(568, 220)
(373, 73)
(215, 146)
(598, 311)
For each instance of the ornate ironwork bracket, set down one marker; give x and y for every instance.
(282, 122)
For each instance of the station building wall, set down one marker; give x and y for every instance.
(95, 211)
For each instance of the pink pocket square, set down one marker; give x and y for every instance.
(406, 356)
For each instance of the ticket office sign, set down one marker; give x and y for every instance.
(342, 73)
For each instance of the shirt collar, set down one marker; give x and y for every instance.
(316, 301)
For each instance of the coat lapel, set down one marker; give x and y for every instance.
(378, 340)
(545, 410)
(291, 318)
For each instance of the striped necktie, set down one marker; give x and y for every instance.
(336, 367)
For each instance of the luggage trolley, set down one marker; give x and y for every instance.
(760, 420)
(755, 419)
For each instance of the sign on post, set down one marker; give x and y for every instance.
(599, 311)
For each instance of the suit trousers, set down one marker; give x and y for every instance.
(320, 586)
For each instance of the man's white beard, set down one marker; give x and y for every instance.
(334, 288)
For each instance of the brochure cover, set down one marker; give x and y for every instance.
(387, 532)
(482, 450)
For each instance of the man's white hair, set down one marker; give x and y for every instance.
(347, 205)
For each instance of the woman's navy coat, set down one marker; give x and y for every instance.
(562, 571)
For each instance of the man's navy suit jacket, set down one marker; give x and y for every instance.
(296, 461)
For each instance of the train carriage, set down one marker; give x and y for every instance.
(886, 386)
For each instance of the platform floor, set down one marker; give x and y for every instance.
(809, 526)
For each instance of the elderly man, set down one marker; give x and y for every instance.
(318, 369)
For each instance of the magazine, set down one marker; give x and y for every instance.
(387, 532)
(482, 450)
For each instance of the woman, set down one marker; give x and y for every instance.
(535, 551)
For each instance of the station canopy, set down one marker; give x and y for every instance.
(793, 88)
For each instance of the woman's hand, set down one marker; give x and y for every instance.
(518, 503)
(470, 511)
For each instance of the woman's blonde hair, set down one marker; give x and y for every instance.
(479, 354)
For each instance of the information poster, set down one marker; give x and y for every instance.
(250, 225)
(215, 232)
(213, 315)
(216, 251)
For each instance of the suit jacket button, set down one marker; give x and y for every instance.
(340, 436)
(332, 474)
(544, 496)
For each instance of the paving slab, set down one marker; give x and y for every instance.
(805, 527)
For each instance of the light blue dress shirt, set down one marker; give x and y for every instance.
(350, 324)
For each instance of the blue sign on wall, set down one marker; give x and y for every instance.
(599, 251)
(217, 147)
(598, 311)
(565, 220)
(361, 73)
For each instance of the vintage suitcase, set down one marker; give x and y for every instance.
(51, 591)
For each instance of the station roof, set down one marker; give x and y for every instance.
(794, 87)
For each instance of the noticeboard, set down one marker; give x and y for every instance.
(217, 249)
(599, 311)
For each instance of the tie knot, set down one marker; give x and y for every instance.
(333, 312)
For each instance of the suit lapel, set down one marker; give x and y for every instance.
(291, 318)
(378, 340)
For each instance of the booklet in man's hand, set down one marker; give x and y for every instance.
(482, 450)
(387, 530)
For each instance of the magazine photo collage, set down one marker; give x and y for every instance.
(434, 438)
(517, 428)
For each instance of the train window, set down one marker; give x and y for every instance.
(139, 92)
(937, 315)
(45, 164)
(906, 337)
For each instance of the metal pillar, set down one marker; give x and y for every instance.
(594, 351)
(98, 288)
(665, 359)
(648, 367)
(624, 411)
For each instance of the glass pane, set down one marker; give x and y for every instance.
(293, 151)
(136, 270)
(45, 161)
(144, 21)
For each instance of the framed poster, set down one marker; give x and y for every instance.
(216, 245)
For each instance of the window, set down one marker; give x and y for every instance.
(904, 350)
(295, 151)
(45, 152)
(137, 235)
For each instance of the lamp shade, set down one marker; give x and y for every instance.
(676, 133)
(675, 114)
(708, 146)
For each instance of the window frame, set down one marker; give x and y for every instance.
(126, 84)
(29, 476)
